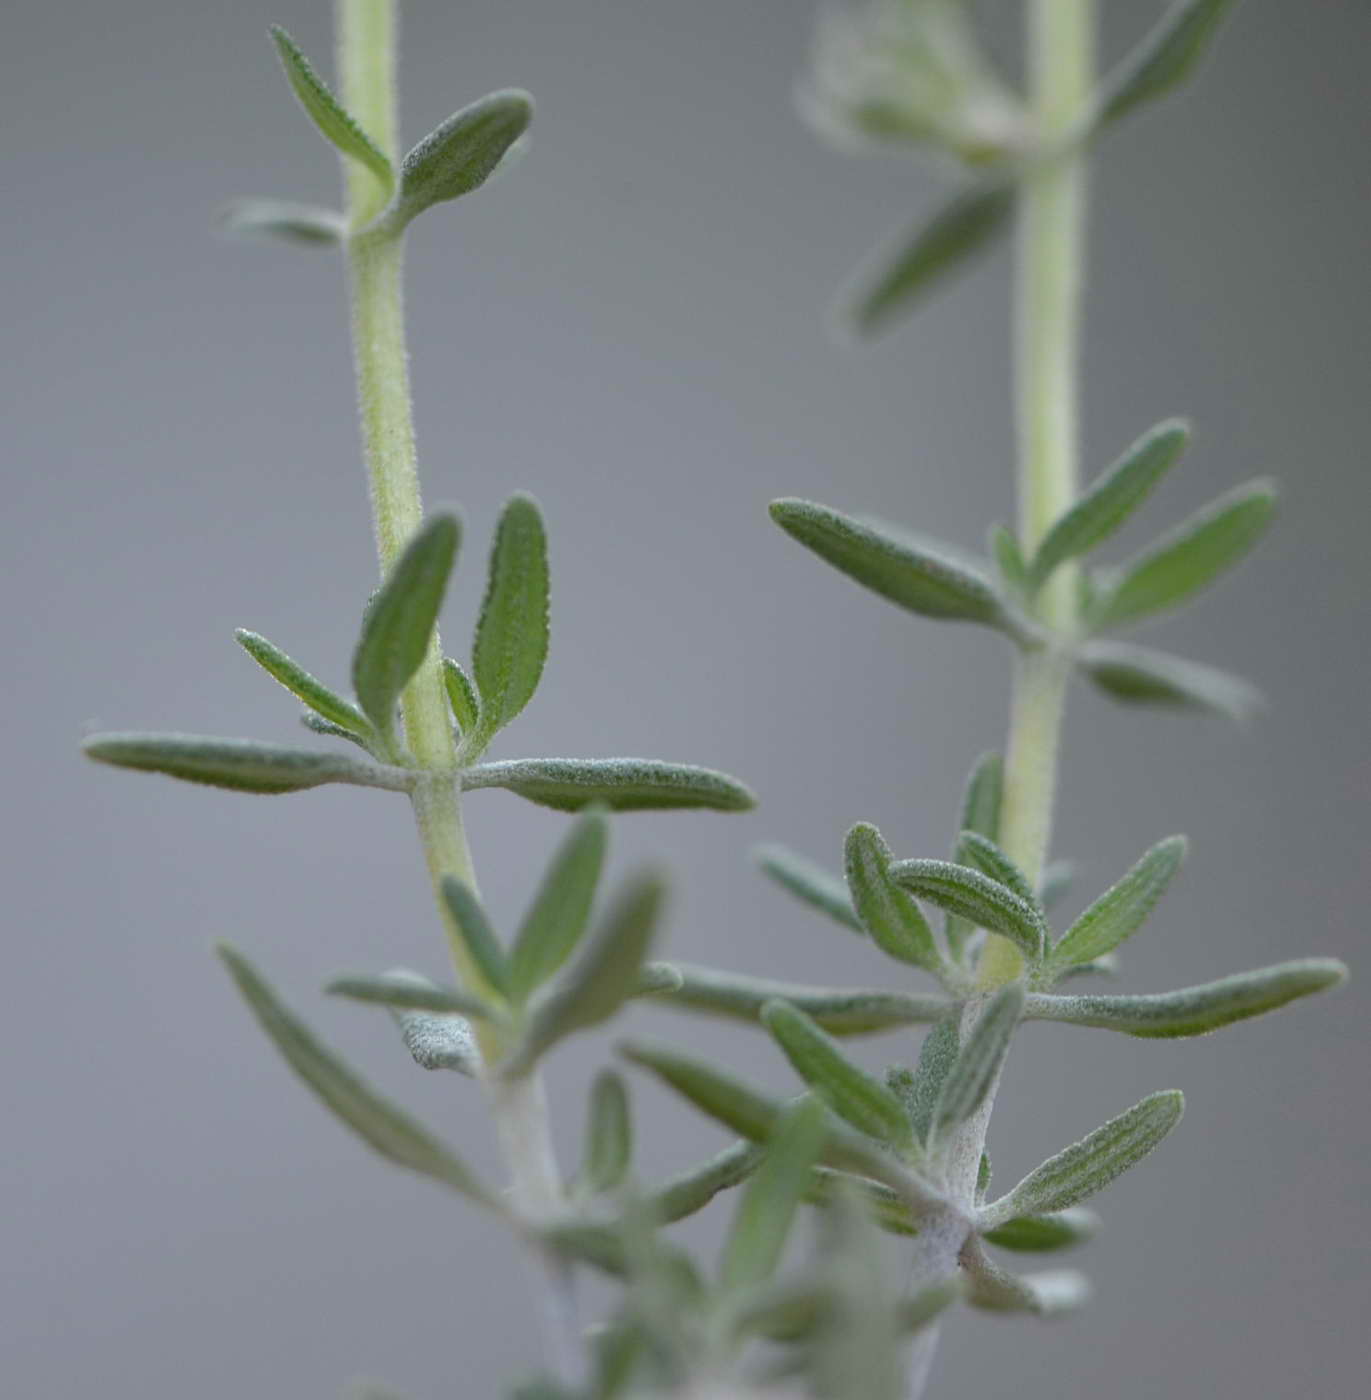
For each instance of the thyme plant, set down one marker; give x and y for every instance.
(905, 1154)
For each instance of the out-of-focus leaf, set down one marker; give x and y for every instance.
(691, 1190)
(979, 1060)
(984, 902)
(608, 1147)
(439, 1042)
(473, 927)
(1009, 560)
(980, 813)
(890, 916)
(809, 883)
(461, 696)
(1043, 1234)
(1055, 885)
(405, 991)
(621, 784)
(1049, 1294)
(283, 220)
(1141, 676)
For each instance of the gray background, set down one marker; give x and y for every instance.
(630, 327)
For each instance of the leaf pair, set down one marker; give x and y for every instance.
(982, 900)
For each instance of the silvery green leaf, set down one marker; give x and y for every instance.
(512, 632)
(897, 280)
(303, 686)
(1186, 559)
(382, 1125)
(622, 784)
(985, 855)
(473, 928)
(885, 1207)
(304, 225)
(845, 1087)
(1109, 500)
(317, 724)
(608, 1146)
(1141, 676)
(840, 1012)
(1057, 879)
(242, 765)
(980, 813)
(1009, 560)
(783, 1310)
(603, 976)
(1164, 59)
(896, 565)
(462, 154)
(690, 1191)
(1090, 1165)
(937, 1055)
(764, 1215)
(1122, 909)
(405, 991)
(928, 1304)
(328, 114)
(1107, 966)
(461, 696)
(1193, 1010)
(399, 622)
(979, 1060)
(1042, 1234)
(809, 882)
(1048, 1294)
(975, 897)
(439, 1042)
(659, 979)
(890, 916)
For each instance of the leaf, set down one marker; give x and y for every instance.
(984, 902)
(1141, 676)
(473, 928)
(1090, 1165)
(602, 978)
(304, 225)
(977, 1067)
(399, 623)
(303, 686)
(884, 1206)
(622, 784)
(1122, 909)
(1193, 1010)
(1009, 560)
(889, 915)
(928, 1304)
(763, 1219)
(327, 113)
(1109, 500)
(1058, 877)
(980, 813)
(242, 765)
(1048, 1294)
(316, 724)
(462, 154)
(690, 1191)
(845, 1087)
(1107, 966)
(1164, 59)
(898, 567)
(439, 1042)
(561, 909)
(840, 1012)
(937, 1055)
(408, 992)
(1187, 559)
(963, 229)
(608, 1147)
(461, 696)
(512, 632)
(810, 883)
(383, 1126)
(981, 853)
(1042, 1234)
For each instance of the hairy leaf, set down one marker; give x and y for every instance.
(439, 1042)
(303, 225)
(986, 856)
(690, 1191)
(982, 901)
(980, 813)
(1009, 560)
(1048, 1294)
(890, 916)
(405, 991)
(1141, 676)
(622, 784)
(461, 696)
(923, 1089)
(979, 1060)
(810, 883)
(608, 1147)
(1057, 879)
(1043, 1234)
(300, 683)
(473, 928)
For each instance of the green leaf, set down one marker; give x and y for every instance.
(1187, 559)
(1043, 1234)
(622, 784)
(1090, 1165)
(921, 1092)
(242, 765)
(1048, 1294)
(406, 991)
(980, 813)
(979, 1061)
(1193, 1010)
(984, 902)
(900, 567)
(382, 1125)
(326, 112)
(845, 1087)
(439, 1041)
(461, 696)
(1122, 909)
(462, 154)
(1058, 877)
(1107, 966)
(984, 855)
(889, 915)
(885, 1207)
(928, 1304)
(511, 635)
(399, 623)
(304, 225)
(763, 1219)
(608, 1147)
(317, 724)
(1141, 676)
(473, 928)
(690, 1191)
(301, 684)
(1163, 60)
(1009, 560)
(561, 909)
(899, 279)
(737, 996)
(1109, 500)
(604, 975)
(810, 883)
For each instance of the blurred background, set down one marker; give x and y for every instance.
(631, 326)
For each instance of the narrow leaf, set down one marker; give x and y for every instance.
(1122, 909)
(608, 1148)
(1090, 1165)
(690, 1191)
(1058, 877)
(622, 784)
(473, 928)
(1140, 676)
(975, 897)
(326, 112)
(899, 567)
(303, 225)
(810, 883)
(924, 1088)
(301, 684)
(317, 724)
(1043, 1234)
(1009, 560)
(986, 856)
(407, 992)
(928, 1304)
(439, 1042)
(461, 696)
(979, 1061)
(980, 813)
(385, 1127)
(890, 916)
(1193, 1010)
(399, 623)
(1049, 1294)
